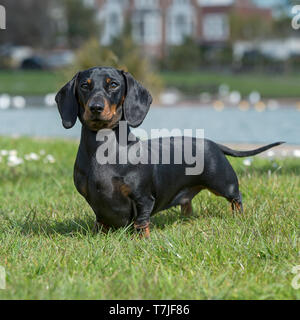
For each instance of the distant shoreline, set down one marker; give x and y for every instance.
(277, 85)
(39, 101)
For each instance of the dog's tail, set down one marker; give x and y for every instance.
(236, 153)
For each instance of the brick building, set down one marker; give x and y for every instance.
(157, 24)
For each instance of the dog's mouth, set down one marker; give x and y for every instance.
(98, 121)
(95, 120)
(99, 118)
(96, 124)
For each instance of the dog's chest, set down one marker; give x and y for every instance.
(92, 180)
(81, 180)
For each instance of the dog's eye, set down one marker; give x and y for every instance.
(85, 86)
(113, 85)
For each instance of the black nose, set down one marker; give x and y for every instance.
(96, 108)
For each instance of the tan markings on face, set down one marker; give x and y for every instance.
(110, 114)
(109, 111)
(115, 118)
(108, 80)
(87, 112)
(89, 81)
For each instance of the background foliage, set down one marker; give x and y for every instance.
(122, 54)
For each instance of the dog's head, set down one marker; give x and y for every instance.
(101, 97)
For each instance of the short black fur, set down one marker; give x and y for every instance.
(120, 194)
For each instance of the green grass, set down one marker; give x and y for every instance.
(29, 83)
(49, 251)
(272, 86)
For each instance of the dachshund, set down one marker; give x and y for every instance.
(123, 193)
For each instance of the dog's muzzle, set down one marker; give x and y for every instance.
(96, 108)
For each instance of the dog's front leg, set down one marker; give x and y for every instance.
(100, 226)
(143, 229)
(144, 207)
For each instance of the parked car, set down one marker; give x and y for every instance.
(59, 59)
(33, 63)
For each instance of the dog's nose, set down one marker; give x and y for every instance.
(96, 108)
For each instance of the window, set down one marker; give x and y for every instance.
(111, 16)
(180, 20)
(215, 27)
(147, 22)
(114, 20)
(147, 26)
(181, 23)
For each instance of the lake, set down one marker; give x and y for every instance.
(228, 125)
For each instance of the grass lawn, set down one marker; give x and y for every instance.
(270, 86)
(280, 86)
(49, 251)
(30, 83)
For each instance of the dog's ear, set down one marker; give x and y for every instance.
(137, 102)
(67, 103)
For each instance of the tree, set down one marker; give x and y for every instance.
(131, 58)
(82, 22)
(248, 28)
(186, 56)
(122, 54)
(28, 23)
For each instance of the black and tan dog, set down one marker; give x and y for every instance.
(119, 193)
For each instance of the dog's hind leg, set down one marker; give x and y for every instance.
(229, 191)
(237, 204)
(186, 209)
(224, 183)
(185, 198)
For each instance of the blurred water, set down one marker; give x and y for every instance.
(230, 125)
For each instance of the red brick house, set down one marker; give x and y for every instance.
(157, 24)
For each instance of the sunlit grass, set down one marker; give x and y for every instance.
(30, 83)
(269, 85)
(49, 251)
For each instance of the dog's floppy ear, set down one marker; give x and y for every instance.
(137, 102)
(67, 103)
